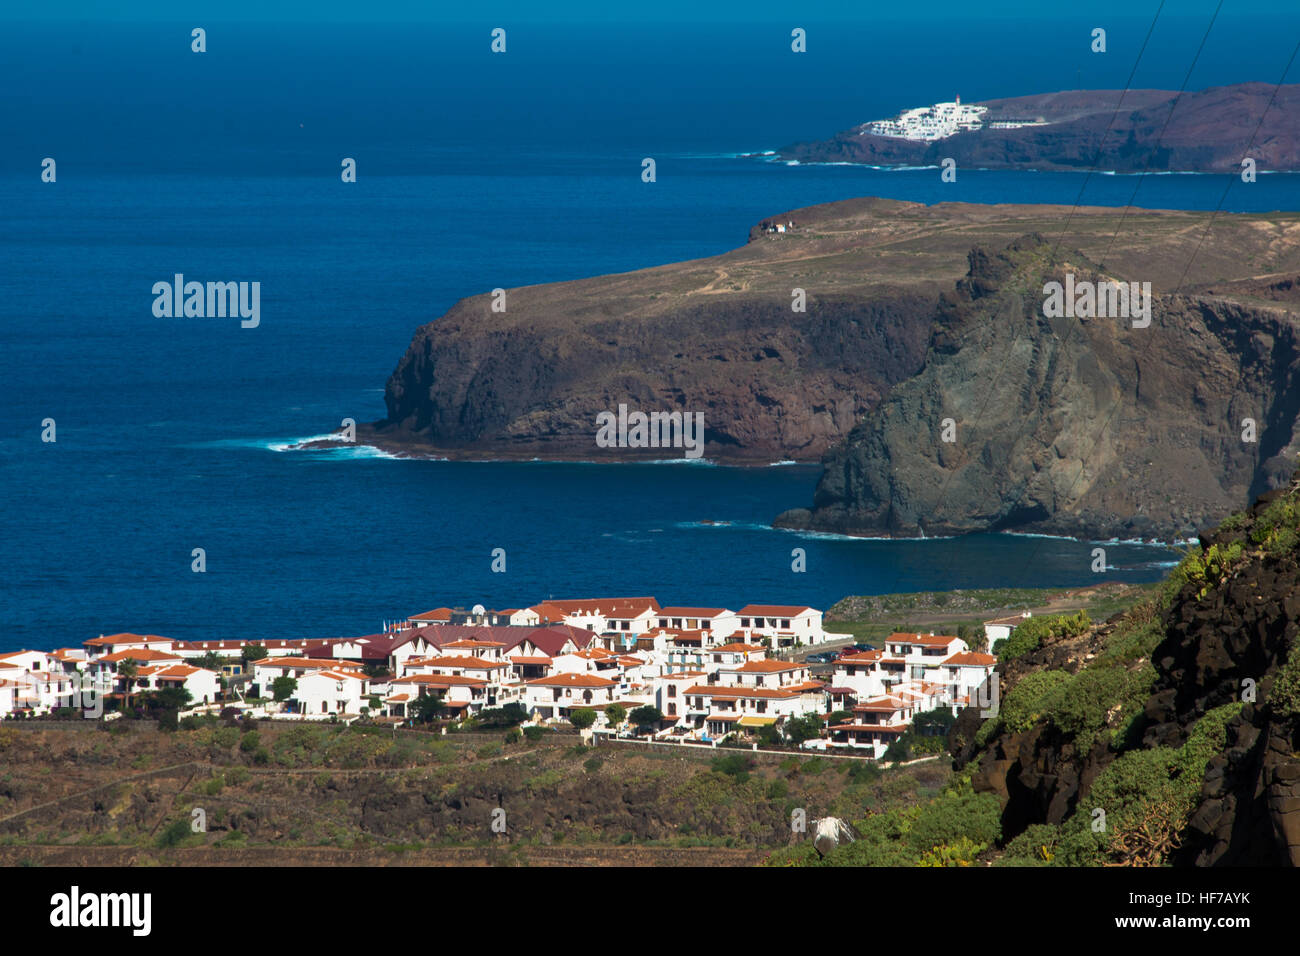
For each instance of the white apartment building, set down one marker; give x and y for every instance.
(783, 625)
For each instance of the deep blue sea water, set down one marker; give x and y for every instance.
(474, 172)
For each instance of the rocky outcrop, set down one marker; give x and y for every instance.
(1076, 426)
(1224, 637)
(1037, 773)
(770, 384)
(721, 337)
(1232, 643)
(1210, 130)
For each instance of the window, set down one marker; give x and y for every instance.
(785, 623)
(672, 690)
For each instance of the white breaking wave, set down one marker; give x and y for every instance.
(294, 444)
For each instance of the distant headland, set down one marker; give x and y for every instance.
(909, 314)
(1132, 131)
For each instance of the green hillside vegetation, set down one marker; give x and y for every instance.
(1082, 687)
(952, 829)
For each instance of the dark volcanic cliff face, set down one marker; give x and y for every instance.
(771, 384)
(1084, 427)
(717, 336)
(1206, 131)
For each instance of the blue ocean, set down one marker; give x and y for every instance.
(474, 171)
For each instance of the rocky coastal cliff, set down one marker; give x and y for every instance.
(714, 336)
(1077, 426)
(914, 314)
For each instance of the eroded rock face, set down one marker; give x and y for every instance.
(1239, 632)
(1038, 774)
(719, 336)
(1250, 810)
(1076, 426)
(770, 384)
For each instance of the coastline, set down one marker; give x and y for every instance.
(415, 450)
(402, 450)
(1080, 130)
(777, 158)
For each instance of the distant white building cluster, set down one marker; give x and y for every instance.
(925, 124)
(710, 672)
(911, 674)
(42, 682)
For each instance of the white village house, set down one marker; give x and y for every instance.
(1000, 628)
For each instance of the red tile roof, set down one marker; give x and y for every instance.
(437, 614)
(171, 671)
(865, 657)
(469, 663)
(126, 638)
(927, 640)
(137, 654)
(572, 680)
(542, 661)
(768, 667)
(877, 707)
(621, 607)
(972, 659)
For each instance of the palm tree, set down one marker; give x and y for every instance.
(127, 671)
(428, 707)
